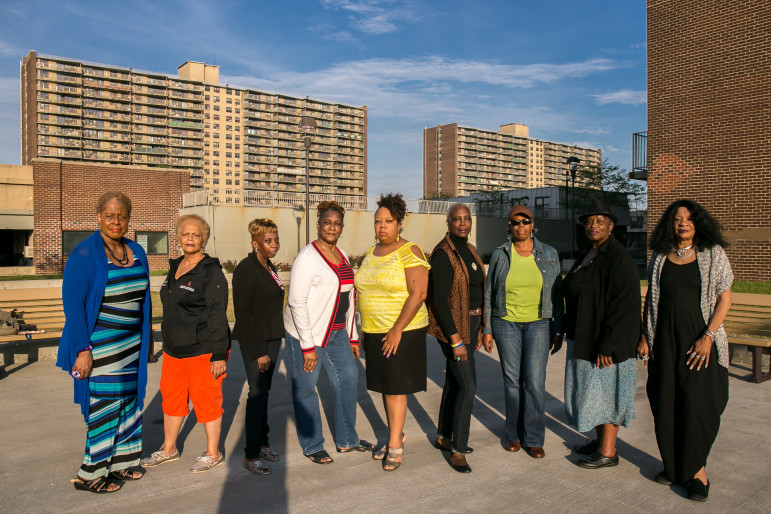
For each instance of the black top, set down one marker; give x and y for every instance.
(258, 302)
(602, 301)
(195, 320)
(442, 275)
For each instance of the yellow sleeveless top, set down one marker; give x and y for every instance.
(381, 289)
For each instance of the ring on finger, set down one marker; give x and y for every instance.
(703, 358)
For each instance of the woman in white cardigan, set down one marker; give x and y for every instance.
(320, 329)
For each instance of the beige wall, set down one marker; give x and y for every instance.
(230, 239)
(16, 188)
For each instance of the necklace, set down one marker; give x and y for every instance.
(683, 252)
(125, 258)
(684, 255)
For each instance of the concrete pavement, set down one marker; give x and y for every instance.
(43, 438)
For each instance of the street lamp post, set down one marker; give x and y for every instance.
(308, 129)
(572, 163)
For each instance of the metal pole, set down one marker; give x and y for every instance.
(573, 220)
(307, 192)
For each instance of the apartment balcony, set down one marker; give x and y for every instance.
(185, 124)
(195, 97)
(175, 104)
(192, 134)
(157, 150)
(185, 162)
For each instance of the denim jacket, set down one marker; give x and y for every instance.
(547, 260)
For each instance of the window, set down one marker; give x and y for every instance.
(71, 239)
(228, 182)
(216, 117)
(216, 107)
(154, 243)
(215, 181)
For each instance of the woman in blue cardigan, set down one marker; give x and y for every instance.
(104, 345)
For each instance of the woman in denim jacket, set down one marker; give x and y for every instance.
(523, 312)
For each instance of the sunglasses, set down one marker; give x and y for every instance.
(516, 223)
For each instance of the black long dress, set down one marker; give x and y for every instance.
(686, 403)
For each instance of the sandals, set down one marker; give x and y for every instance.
(257, 467)
(99, 485)
(390, 459)
(362, 446)
(267, 454)
(319, 456)
(128, 473)
(382, 452)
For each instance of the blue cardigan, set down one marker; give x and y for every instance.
(85, 278)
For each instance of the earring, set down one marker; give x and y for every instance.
(375, 239)
(397, 238)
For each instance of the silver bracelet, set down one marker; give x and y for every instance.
(709, 334)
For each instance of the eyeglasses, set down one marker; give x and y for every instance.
(110, 218)
(516, 223)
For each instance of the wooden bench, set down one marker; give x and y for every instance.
(42, 307)
(749, 324)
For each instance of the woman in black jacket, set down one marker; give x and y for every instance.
(196, 343)
(258, 300)
(602, 326)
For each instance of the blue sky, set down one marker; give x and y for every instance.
(573, 71)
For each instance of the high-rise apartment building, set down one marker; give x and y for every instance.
(238, 143)
(458, 161)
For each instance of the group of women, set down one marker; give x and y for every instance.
(523, 304)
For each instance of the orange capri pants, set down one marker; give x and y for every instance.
(190, 379)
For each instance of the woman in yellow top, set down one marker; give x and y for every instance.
(391, 285)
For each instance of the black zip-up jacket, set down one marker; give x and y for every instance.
(258, 302)
(195, 306)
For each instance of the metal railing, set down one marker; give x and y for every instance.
(297, 201)
(639, 155)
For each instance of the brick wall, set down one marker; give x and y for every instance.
(709, 119)
(66, 195)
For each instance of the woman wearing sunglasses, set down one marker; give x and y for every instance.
(523, 311)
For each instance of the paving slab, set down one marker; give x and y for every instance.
(43, 438)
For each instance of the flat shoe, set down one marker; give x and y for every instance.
(663, 478)
(267, 454)
(598, 460)
(319, 456)
(536, 452)
(440, 446)
(257, 467)
(697, 491)
(158, 458)
(513, 446)
(460, 468)
(206, 462)
(587, 449)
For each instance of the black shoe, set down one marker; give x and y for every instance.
(598, 460)
(589, 448)
(697, 491)
(663, 478)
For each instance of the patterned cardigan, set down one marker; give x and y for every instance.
(716, 278)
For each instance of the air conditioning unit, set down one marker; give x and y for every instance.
(29, 252)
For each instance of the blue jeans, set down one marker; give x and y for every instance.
(338, 363)
(524, 351)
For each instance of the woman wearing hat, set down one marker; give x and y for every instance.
(602, 326)
(523, 312)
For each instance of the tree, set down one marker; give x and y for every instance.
(438, 196)
(610, 184)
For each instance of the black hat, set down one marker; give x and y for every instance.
(598, 207)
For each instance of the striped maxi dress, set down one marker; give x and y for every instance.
(114, 440)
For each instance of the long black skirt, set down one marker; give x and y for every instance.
(403, 372)
(686, 403)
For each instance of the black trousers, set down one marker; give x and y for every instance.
(256, 423)
(460, 386)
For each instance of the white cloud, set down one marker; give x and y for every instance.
(10, 50)
(594, 131)
(375, 17)
(624, 96)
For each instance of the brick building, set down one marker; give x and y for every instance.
(709, 119)
(65, 197)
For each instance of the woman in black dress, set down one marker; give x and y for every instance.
(258, 302)
(689, 294)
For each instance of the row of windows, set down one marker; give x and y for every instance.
(153, 243)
